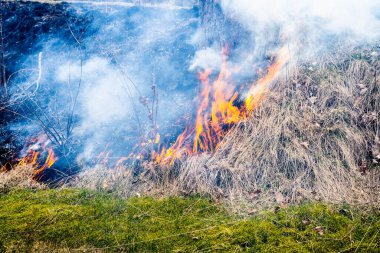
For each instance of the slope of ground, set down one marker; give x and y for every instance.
(315, 136)
(78, 220)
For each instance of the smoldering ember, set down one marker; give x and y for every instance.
(190, 125)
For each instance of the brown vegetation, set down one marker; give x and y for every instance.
(316, 137)
(21, 177)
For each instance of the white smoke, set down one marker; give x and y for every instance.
(357, 17)
(356, 20)
(208, 58)
(312, 26)
(125, 59)
(102, 96)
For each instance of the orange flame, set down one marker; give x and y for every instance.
(49, 162)
(211, 125)
(35, 151)
(257, 92)
(176, 151)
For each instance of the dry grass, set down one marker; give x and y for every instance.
(316, 136)
(117, 180)
(21, 177)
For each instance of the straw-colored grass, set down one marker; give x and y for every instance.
(316, 136)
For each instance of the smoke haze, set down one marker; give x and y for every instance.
(124, 50)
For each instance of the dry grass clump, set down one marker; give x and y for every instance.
(118, 180)
(129, 181)
(316, 136)
(20, 177)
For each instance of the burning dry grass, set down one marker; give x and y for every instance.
(316, 136)
(21, 177)
(312, 138)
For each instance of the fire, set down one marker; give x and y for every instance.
(35, 152)
(209, 124)
(218, 110)
(257, 92)
(220, 107)
(178, 149)
(50, 160)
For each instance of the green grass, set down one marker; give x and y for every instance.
(53, 220)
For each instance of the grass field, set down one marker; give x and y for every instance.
(78, 220)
